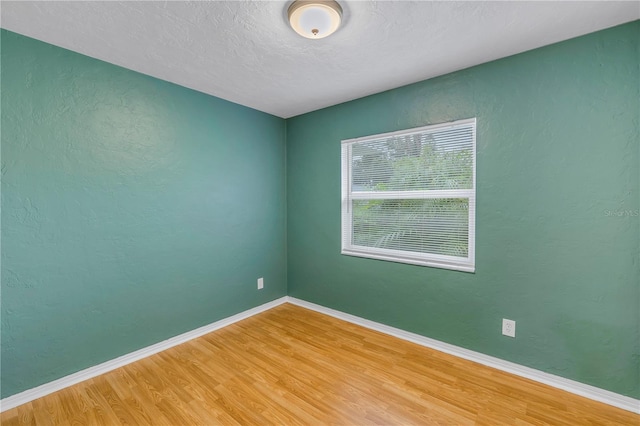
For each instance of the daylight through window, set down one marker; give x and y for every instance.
(410, 197)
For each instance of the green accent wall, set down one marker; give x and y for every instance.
(133, 210)
(558, 176)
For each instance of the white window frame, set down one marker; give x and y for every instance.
(424, 259)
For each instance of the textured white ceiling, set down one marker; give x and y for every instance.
(245, 52)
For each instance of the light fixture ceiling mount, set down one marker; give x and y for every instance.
(315, 19)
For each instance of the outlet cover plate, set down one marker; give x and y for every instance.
(260, 283)
(508, 327)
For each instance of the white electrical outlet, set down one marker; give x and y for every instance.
(508, 327)
(260, 283)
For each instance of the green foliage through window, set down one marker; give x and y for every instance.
(412, 194)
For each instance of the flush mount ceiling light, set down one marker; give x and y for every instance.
(315, 19)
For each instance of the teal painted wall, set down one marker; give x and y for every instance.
(114, 235)
(132, 210)
(557, 224)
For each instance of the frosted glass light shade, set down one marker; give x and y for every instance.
(315, 19)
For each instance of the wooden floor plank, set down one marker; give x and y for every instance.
(292, 366)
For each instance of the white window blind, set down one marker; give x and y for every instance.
(409, 196)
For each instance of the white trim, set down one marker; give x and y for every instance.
(72, 379)
(411, 259)
(472, 201)
(587, 391)
(421, 258)
(431, 127)
(409, 195)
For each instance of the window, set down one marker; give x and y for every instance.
(410, 196)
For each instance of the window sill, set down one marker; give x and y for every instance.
(411, 261)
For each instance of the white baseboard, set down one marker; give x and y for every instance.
(587, 391)
(70, 380)
(591, 392)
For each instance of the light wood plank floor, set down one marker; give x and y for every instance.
(293, 366)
